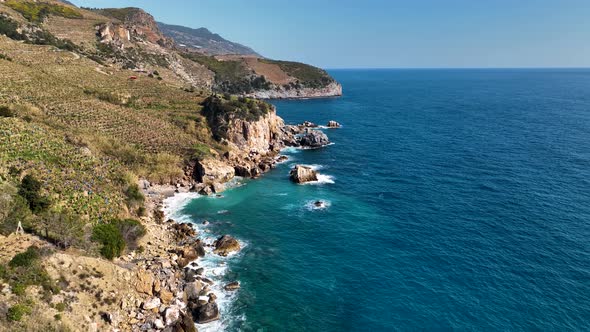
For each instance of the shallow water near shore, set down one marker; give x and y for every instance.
(455, 199)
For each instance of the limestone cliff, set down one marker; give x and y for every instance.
(252, 132)
(334, 89)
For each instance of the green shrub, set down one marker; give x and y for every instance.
(134, 195)
(201, 151)
(131, 230)
(5, 57)
(61, 307)
(6, 112)
(221, 111)
(16, 312)
(111, 239)
(29, 190)
(19, 289)
(9, 28)
(38, 11)
(25, 259)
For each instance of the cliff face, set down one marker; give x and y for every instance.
(334, 89)
(261, 136)
(253, 133)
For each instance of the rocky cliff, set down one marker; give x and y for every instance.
(334, 89)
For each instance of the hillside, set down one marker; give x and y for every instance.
(101, 118)
(203, 40)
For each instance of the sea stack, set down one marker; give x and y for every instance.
(314, 139)
(303, 174)
(333, 124)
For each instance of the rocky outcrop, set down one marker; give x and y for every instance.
(212, 171)
(333, 89)
(225, 245)
(314, 139)
(206, 313)
(303, 174)
(333, 124)
(232, 286)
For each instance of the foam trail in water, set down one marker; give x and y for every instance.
(215, 266)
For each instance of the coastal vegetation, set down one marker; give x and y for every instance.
(220, 110)
(37, 11)
(87, 128)
(306, 75)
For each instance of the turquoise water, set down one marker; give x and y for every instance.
(460, 200)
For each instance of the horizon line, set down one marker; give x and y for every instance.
(446, 68)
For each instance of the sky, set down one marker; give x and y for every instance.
(392, 33)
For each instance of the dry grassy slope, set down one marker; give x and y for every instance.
(56, 80)
(163, 120)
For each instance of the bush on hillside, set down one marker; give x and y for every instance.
(25, 270)
(17, 312)
(38, 11)
(5, 111)
(111, 239)
(30, 190)
(131, 230)
(25, 259)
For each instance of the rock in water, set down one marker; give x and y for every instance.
(232, 286)
(314, 139)
(333, 124)
(320, 204)
(225, 245)
(207, 313)
(303, 174)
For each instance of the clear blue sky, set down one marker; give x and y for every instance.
(392, 33)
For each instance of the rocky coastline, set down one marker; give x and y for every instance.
(333, 89)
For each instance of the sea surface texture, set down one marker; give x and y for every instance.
(455, 200)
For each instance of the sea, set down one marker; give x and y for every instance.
(454, 200)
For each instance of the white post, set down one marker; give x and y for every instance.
(19, 229)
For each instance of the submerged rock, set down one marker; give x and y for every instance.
(319, 204)
(226, 245)
(303, 174)
(314, 139)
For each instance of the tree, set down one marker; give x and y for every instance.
(29, 190)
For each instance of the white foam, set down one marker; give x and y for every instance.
(291, 149)
(215, 266)
(322, 179)
(174, 205)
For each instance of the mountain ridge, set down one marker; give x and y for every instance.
(203, 39)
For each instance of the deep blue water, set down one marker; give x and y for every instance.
(461, 201)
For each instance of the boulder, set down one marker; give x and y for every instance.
(333, 124)
(207, 313)
(308, 124)
(172, 315)
(232, 286)
(166, 296)
(314, 139)
(303, 174)
(192, 290)
(226, 245)
(151, 303)
(210, 171)
(218, 187)
(159, 324)
(145, 282)
(185, 323)
(206, 191)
